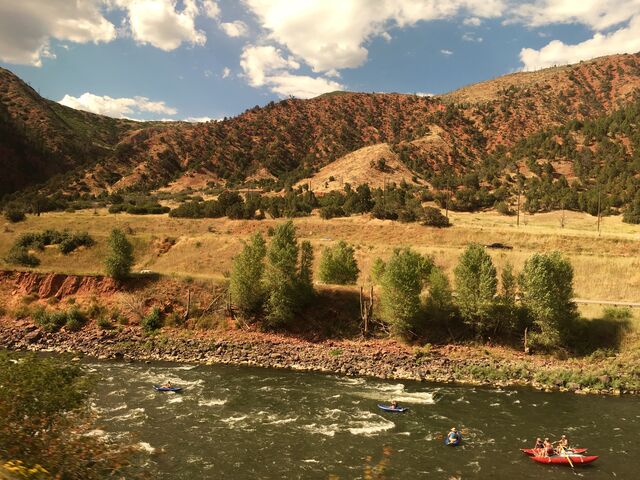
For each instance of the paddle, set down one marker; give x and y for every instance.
(564, 451)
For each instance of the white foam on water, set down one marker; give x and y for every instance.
(132, 414)
(311, 460)
(96, 433)
(145, 447)
(234, 420)
(369, 424)
(211, 403)
(497, 404)
(326, 430)
(185, 367)
(475, 465)
(273, 420)
(175, 399)
(397, 392)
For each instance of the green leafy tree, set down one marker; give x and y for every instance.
(338, 264)
(46, 420)
(546, 284)
(476, 286)
(440, 306)
(245, 286)
(281, 277)
(377, 270)
(120, 259)
(403, 280)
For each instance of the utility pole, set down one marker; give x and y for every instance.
(598, 212)
(518, 208)
(446, 211)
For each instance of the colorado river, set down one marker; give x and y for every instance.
(238, 422)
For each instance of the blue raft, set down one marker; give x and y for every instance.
(160, 388)
(389, 408)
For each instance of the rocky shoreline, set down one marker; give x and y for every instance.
(385, 359)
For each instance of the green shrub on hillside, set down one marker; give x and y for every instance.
(338, 265)
(152, 321)
(120, 259)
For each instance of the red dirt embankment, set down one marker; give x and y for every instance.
(58, 285)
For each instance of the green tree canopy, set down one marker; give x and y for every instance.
(247, 292)
(120, 259)
(338, 264)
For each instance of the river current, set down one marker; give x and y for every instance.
(250, 423)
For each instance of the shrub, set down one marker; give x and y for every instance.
(503, 209)
(377, 270)
(152, 321)
(338, 265)
(14, 215)
(104, 323)
(49, 321)
(21, 256)
(75, 319)
(433, 217)
(120, 259)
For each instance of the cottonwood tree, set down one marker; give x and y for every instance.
(245, 285)
(476, 286)
(287, 279)
(338, 264)
(546, 284)
(404, 277)
(440, 306)
(120, 259)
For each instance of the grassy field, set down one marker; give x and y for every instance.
(606, 265)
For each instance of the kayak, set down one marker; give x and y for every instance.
(160, 388)
(389, 408)
(571, 451)
(564, 460)
(453, 443)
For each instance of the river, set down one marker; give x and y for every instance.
(240, 422)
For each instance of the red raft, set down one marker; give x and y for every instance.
(572, 451)
(564, 460)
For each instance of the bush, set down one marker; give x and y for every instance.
(14, 215)
(503, 209)
(120, 260)
(75, 319)
(21, 256)
(104, 323)
(152, 321)
(433, 217)
(49, 321)
(338, 265)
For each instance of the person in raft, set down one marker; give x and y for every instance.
(539, 447)
(454, 436)
(563, 443)
(394, 404)
(166, 385)
(548, 448)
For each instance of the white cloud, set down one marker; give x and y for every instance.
(470, 37)
(226, 71)
(159, 23)
(386, 36)
(261, 61)
(211, 8)
(235, 29)
(116, 107)
(199, 119)
(424, 94)
(208, 73)
(623, 40)
(266, 66)
(472, 22)
(331, 34)
(597, 14)
(26, 27)
(446, 52)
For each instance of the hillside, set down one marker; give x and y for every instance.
(471, 129)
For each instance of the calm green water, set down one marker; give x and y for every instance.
(236, 422)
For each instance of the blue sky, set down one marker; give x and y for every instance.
(207, 59)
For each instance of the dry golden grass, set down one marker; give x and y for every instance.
(606, 266)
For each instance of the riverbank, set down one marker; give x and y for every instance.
(387, 359)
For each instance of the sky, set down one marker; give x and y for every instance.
(198, 60)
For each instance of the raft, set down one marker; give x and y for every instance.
(571, 451)
(564, 460)
(453, 443)
(160, 388)
(389, 408)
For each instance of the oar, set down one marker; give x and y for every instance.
(564, 451)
